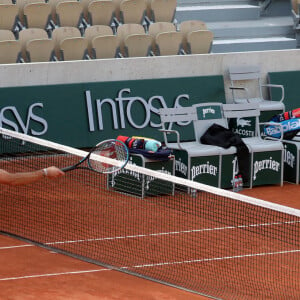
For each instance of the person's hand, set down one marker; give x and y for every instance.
(53, 172)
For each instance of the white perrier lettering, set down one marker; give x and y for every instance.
(203, 169)
(265, 164)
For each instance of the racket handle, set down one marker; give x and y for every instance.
(67, 169)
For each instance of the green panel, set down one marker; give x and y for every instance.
(290, 80)
(205, 169)
(266, 116)
(209, 112)
(155, 186)
(229, 170)
(290, 162)
(229, 165)
(181, 163)
(245, 127)
(81, 115)
(266, 168)
(127, 181)
(140, 185)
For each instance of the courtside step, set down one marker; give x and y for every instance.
(255, 44)
(212, 2)
(215, 13)
(264, 27)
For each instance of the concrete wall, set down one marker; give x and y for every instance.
(145, 68)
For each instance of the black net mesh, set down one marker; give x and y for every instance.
(191, 238)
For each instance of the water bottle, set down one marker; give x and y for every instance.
(240, 182)
(235, 184)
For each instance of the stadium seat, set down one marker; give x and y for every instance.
(9, 17)
(65, 32)
(37, 15)
(39, 50)
(188, 26)
(105, 46)
(97, 30)
(6, 35)
(10, 52)
(30, 34)
(198, 42)
(53, 4)
(100, 12)
(127, 29)
(63, 50)
(246, 76)
(73, 49)
(161, 10)
(155, 28)
(21, 4)
(159, 27)
(137, 45)
(132, 11)
(191, 25)
(168, 43)
(65, 17)
(94, 31)
(69, 13)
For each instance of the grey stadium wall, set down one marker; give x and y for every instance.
(29, 92)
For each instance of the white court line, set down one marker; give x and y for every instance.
(157, 264)
(213, 259)
(53, 274)
(173, 232)
(13, 247)
(161, 263)
(158, 234)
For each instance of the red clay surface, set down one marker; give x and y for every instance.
(29, 272)
(288, 194)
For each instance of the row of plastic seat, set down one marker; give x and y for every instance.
(98, 42)
(48, 15)
(153, 29)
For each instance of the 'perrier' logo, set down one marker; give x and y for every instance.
(203, 169)
(265, 164)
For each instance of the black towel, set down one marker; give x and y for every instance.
(218, 135)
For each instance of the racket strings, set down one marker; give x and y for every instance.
(113, 150)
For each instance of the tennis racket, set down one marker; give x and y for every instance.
(115, 151)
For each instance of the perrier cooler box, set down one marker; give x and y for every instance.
(141, 185)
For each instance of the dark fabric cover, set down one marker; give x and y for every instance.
(218, 135)
(161, 154)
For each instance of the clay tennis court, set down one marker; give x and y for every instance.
(197, 242)
(31, 272)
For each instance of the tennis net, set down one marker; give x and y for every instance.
(199, 238)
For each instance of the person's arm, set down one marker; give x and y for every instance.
(28, 177)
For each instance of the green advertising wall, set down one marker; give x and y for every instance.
(80, 115)
(290, 80)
